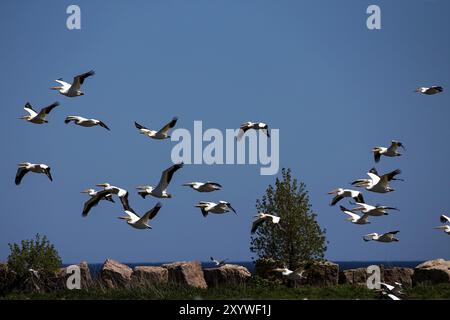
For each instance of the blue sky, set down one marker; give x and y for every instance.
(308, 68)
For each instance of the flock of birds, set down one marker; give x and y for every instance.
(107, 190)
(375, 183)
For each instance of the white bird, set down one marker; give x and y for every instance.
(85, 122)
(261, 218)
(26, 167)
(218, 263)
(72, 90)
(429, 90)
(355, 218)
(374, 211)
(378, 184)
(141, 222)
(344, 193)
(385, 237)
(446, 227)
(35, 117)
(388, 152)
(161, 134)
(91, 192)
(212, 207)
(252, 125)
(161, 189)
(203, 186)
(393, 292)
(289, 274)
(107, 190)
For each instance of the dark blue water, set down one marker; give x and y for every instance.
(95, 268)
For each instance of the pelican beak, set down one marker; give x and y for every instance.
(332, 192)
(101, 185)
(85, 191)
(55, 88)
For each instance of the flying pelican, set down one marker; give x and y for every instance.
(93, 193)
(26, 167)
(379, 184)
(161, 189)
(72, 90)
(219, 263)
(343, 193)
(35, 117)
(388, 152)
(207, 186)
(85, 122)
(107, 190)
(141, 222)
(252, 125)
(262, 217)
(291, 275)
(446, 227)
(161, 134)
(393, 292)
(374, 211)
(385, 237)
(212, 207)
(355, 218)
(429, 90)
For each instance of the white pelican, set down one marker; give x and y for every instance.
(385, 237)
(374, 211)
(446, 227)
(93, 193)
(252, 125)
(161, 189)
(355, 218)
(344, 193)
(291, 275)
(212, 207)
(35, 117)
(26, 167)
(218, 263)
(85, 122)
(72, 90)
(107, 190)
(392, 291)
(388, 152)
(262, 217)
(207, 186)
(429, 90)
(141, 222)
(379, 184)
(161, 134)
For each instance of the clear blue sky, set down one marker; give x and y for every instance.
(309, 68)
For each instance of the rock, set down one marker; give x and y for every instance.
(353, 276)
(397, 274)
(433, 271)
(186, 273)
(149, 276)
(264, 267)
(228, 274)
(321, 273)
(115, 274)
(85, 276)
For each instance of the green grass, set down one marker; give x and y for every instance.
(254, 290)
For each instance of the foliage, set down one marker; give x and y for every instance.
(297, 238)
(38, 254)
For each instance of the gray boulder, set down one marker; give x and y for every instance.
(115, 275)
(228, 274)
(188, 273)
(146, 276)
(433, 271)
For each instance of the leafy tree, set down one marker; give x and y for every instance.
(298, 237)
(38, 254)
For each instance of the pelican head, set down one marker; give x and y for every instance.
(336, 191)
(28, 117)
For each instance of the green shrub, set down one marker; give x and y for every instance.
(38, 254)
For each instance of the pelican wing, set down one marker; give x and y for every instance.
(444, 219)
(391, 175)
(213, 184)
(167, 175)
(389, 235)
(28, 108)
(45, 111)
(336, 199)
(257, 223)
(375, 178)
(377, 155)
(169, 126)
(137, 125)
(93, 201)
(149, 215)
(349, 213)
(21, 172)
(79, 79)
(125, 203)
(102, 124)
